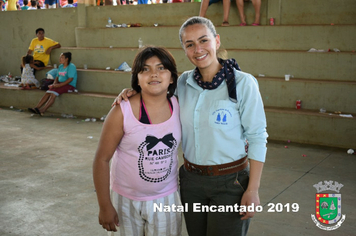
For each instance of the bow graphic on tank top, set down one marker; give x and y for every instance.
(152, 141)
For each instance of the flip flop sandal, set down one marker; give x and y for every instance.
(32, 110)
(225, 23)
(38, 111)
(243, 24)
(255, 24)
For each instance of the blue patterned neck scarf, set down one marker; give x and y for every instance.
(226, 73)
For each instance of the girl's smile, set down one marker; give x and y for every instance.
(154, 78)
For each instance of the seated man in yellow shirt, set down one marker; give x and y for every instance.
(41, 48)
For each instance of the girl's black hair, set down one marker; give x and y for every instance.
(27, 59)
(166, 59)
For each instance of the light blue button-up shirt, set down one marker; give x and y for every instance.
(214, 129)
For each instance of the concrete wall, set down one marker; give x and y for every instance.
(18, 29)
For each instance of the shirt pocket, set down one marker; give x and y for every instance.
(224, 115)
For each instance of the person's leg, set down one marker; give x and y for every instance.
(228, 193)
(43, 100)
(257, 6)
(203, 7)
(129, 214)
(192, 191)
(159, 222)
(50, 101)
(240, 7)
(226, 7)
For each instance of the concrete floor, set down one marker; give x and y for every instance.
(47, 189)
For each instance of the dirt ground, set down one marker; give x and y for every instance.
(47, 189)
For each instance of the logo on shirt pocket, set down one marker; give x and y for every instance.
(223, 115)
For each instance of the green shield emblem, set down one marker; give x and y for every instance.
(328, 208)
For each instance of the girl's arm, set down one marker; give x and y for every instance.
(111, 135)
(33, 65)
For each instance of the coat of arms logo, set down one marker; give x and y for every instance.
(328, 206)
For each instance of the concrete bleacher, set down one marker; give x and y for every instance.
(320, 79)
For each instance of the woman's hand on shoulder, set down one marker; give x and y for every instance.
(124, 95)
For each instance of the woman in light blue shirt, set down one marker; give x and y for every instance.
(221, 108)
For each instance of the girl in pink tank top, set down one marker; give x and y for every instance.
(141, 137)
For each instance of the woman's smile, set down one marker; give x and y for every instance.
(201, 57)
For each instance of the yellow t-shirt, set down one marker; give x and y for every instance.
(11, 5)
(39, 49)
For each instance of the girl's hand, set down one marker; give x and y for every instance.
(108, 219)
(249, 198)
(125, 94)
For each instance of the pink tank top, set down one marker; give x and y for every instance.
(145, 164)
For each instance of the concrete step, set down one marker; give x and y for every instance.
(285, 12)
(301, 37)
(276, 92)
(299, 126)
(272, 63)
(312, 127)
(314, 12)
(79, 104)
(314, 94)
(167, 14)
(98, 81)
